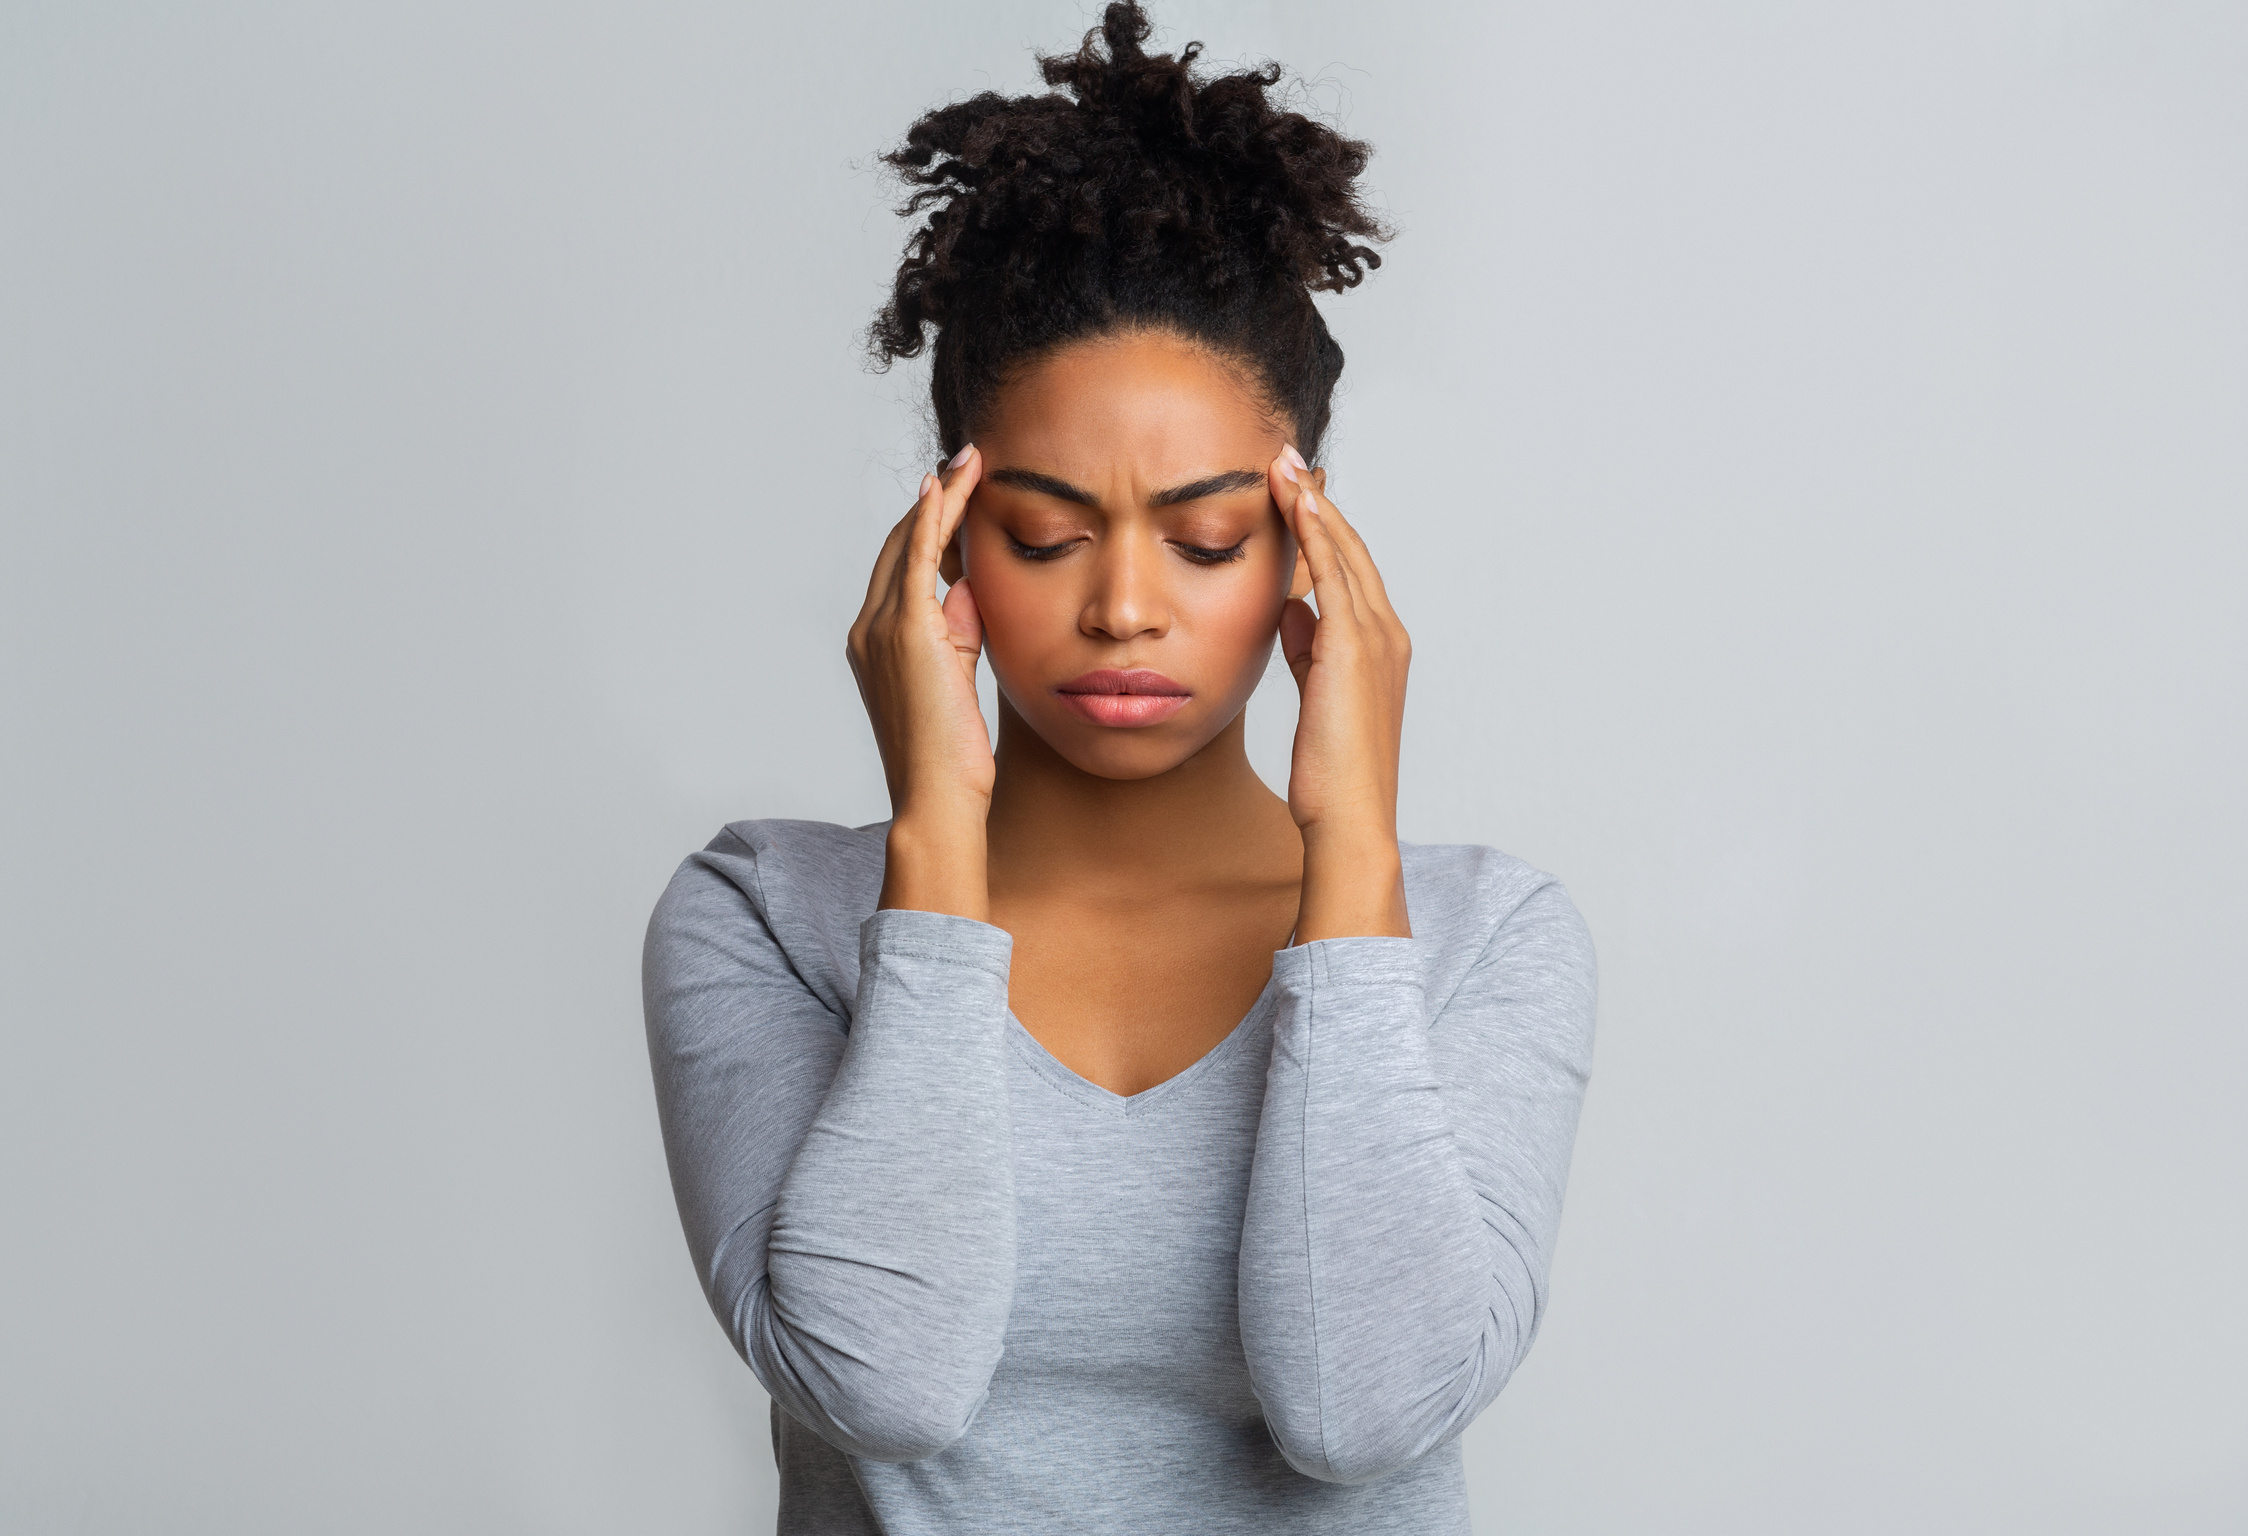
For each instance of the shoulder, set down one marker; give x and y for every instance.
(1471, 904)
(774, 891)
(1464, 893)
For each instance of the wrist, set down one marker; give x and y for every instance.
(954, 815)
(1354, 887)
(936, 863)
(1347, 842)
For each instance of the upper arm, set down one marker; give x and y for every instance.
(742, 1051)
(1513, 1049)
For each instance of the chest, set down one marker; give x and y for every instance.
(1128, 1227)
(1130, 997)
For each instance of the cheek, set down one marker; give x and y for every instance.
(1234, 618)
(1017, 607)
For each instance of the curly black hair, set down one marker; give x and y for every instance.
(1149, 196)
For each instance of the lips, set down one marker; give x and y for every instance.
(1126, 698)
(1138, 680)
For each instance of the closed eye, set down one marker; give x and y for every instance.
(1198, 553)
(1204, 556)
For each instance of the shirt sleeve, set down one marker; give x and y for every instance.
(1407, 1184)
(847, 1188)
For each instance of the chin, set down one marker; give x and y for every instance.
(1106, 758)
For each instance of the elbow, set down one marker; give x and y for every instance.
(1350, 1457)
(906, 1427)
(890, 1406)
(882, 1417)
(1339, 1435)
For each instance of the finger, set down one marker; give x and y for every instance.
(943, 509)
(1288, 477)
(963, 623)
(913, 573)
(1280, 479)
(885, 576)
(1294, 492)
(1366, 577)
(961, 480)
(1330, 574)
(1329, 520)
(1297, 625)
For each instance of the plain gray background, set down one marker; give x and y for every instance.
(1809, 443)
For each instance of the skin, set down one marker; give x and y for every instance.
(1146, 872)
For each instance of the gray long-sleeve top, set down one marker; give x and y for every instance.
(990, 1296)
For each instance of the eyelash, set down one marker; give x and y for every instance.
(1201, 556)
(1194, 552)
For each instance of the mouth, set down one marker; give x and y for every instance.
(1137, 697)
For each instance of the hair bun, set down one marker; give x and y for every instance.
(1143, 156)
(1275, 175)
(1137, 190)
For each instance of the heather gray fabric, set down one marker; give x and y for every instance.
(990, 1296)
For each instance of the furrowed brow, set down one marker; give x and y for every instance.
(1044, 485)
(1212, 485)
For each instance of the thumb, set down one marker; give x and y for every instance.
(1297, 625)
(964, 625)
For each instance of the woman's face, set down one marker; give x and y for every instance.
(1124, 550)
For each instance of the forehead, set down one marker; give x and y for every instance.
(1147, 405)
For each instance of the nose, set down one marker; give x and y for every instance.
(1127, 598)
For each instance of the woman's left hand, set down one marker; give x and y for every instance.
(1349, 661)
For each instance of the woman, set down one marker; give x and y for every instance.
(1104, 1143)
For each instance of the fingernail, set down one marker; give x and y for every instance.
(1289, 453)
(928, 483)
(1286, 473)
(961, 457)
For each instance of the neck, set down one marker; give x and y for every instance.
(1210, 818)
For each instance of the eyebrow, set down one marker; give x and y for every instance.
(1193, 490)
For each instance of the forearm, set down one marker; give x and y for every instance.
(1408, 1182)
(1366, 1283)
(891, 1258)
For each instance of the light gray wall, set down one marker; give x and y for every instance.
(1807, 442)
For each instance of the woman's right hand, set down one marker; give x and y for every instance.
(915, 661)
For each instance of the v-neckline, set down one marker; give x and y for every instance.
(1077, 1085)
